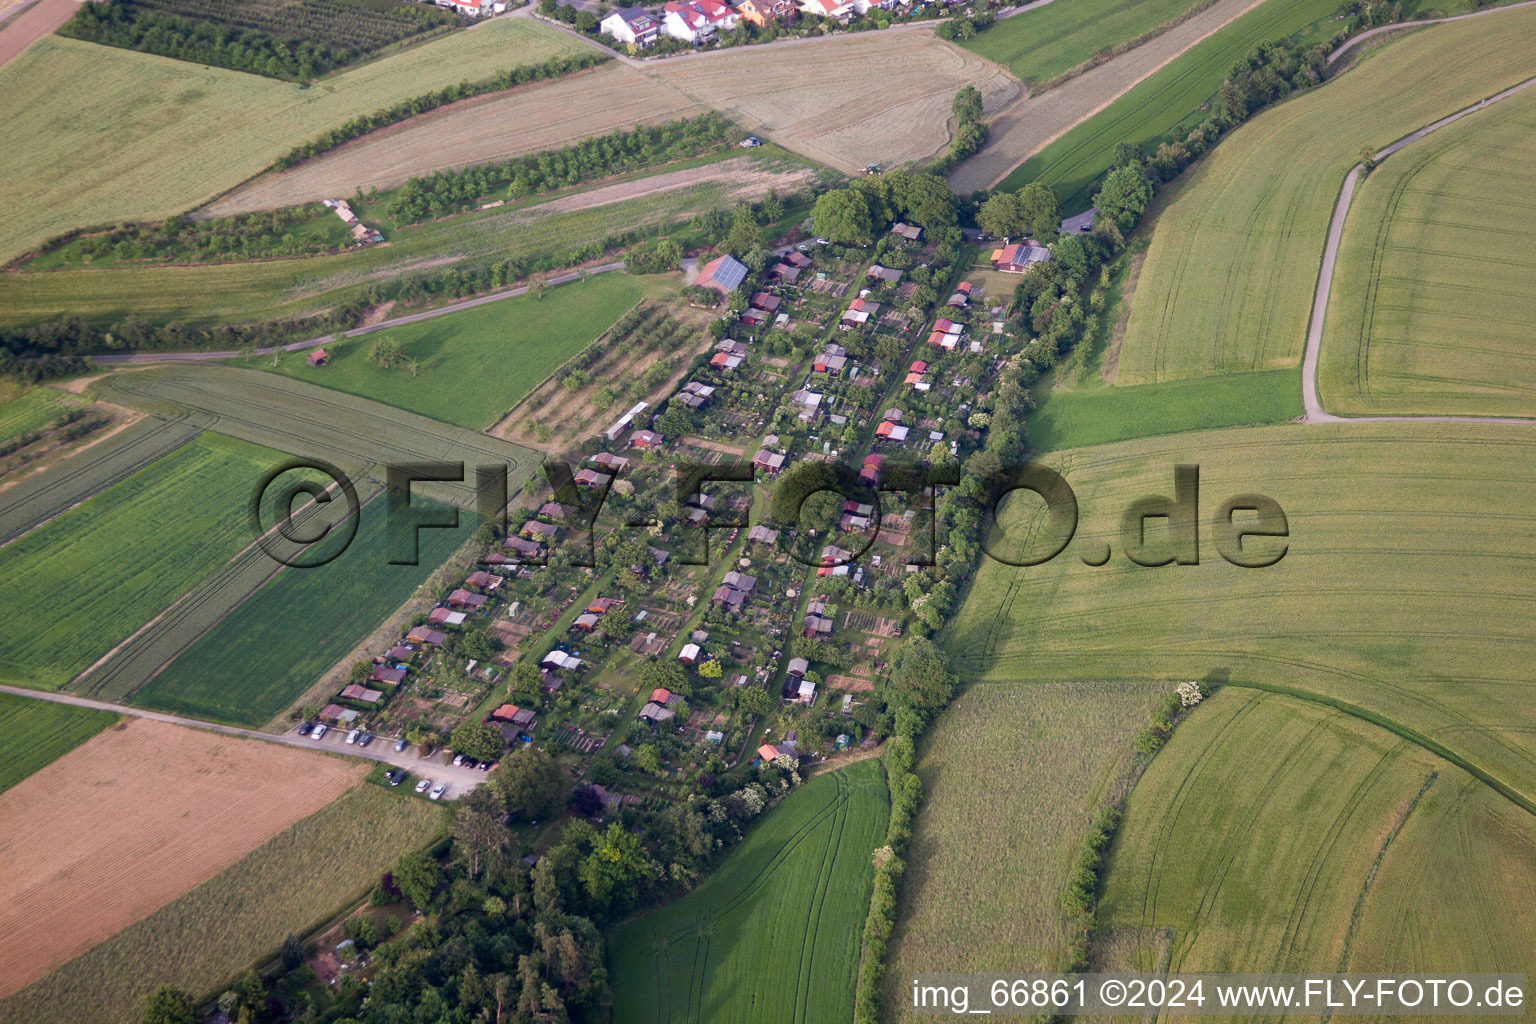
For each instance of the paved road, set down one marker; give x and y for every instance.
(1315, 413)
(382, 325)
(460, 780)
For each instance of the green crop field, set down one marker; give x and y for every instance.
(1073, 164)
(773, 934)
(1405, 588)
(203, 940)
(1012, 775)
(1227, 284)
(1041, 45)
(35, 732)
(477, 364)
(1276, 835)
(156, 136)
(1071, 419)
(88, 579)
(359, 436)
(1431, 309)
(270, 649)
(32, 411)
(294, 287)
(38, 497)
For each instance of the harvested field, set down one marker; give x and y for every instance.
(147, 137)
(540, 115)
(296, 881)
(1028, 125)
(1228, 282)
(746, 178)
(805, 102)
(130, 820)
(1431, 309)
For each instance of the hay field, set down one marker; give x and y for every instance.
(88, 579)
(130, 820)
(773, 933)
(1042, 44)
(296, 881)
(1432, 308)
(1022, 129)
(1074, 162)
(1012, 776)
(551, 228)
(1405, 590)
(1227, 284)
(1276, 835)
(865, 98)
(540, 115)
(144, 137)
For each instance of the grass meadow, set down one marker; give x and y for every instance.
(1044, 44)
(479, 363)
(1404, 590)
(1272, 834)
(89, 578)
(297, 287)
(35, 732)
(203, 940)
(271, 648)
(773, 933)
(1431, 309)
(1074, 163)
(1228, 279)
(1012, 775)
(149, 136)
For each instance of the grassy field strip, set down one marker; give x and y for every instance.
(1430, 309)
(1024, 127)
(39, 497)
(204, 939)
(32, 411)
(235, 673)
(153, 136)
(1041, 45)
(773, 933)
(134, 662)
(1073, 419)
(1012, 774)
(1405, 591)
(1228, 277)
(478, 363)
(292, 287)
(357, 435)
(1273, 834)
(1073, 163)
(34, 732)
(113, 563)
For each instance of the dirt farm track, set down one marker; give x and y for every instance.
(133, 818)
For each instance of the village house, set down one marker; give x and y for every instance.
(842, 10)
(723, 273)
(633, 26)
(357, 692)
(466, 600)
(761, 12)
(697, 21)
(445, 617)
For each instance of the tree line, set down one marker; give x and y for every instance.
(451, 191)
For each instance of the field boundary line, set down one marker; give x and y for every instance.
(1315, 413)
(1408, 733)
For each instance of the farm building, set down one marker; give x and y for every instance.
(318, 357)
(723, 273)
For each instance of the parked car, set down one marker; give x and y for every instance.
(421, 787)
(352, 736)
(320, 730)
(438, 791)
(399, 776)
(458, 760)
(364, 740)
(486, 766)
(305, 728)
(402, 744)
(750, 142)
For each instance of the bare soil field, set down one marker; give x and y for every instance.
(870, 98)
(21, 29)
(131, 819)
(1033, 122)
(540, 115)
